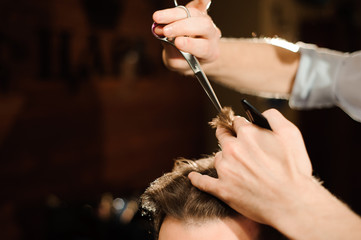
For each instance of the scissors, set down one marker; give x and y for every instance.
(253, 114)
(192, 62)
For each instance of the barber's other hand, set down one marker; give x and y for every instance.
(196, 35)
(260, 172)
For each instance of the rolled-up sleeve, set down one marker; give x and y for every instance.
(327, 78)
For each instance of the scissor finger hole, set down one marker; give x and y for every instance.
(154, 28)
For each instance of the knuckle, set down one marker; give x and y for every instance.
(246, 130)
(219, 164)
(231, 148)
(182, 43)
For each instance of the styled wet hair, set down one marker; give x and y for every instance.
(173, 194)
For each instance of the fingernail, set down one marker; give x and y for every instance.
(167, 31)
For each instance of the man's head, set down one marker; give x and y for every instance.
(181, 211)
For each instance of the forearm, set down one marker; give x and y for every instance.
(254, 66)
(317, 215)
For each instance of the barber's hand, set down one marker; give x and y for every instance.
(196, 35)
(261, 173)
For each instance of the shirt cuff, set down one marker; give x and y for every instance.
(315, 81)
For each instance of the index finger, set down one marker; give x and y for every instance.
(169, 15)
(223, 135)
(204, 182)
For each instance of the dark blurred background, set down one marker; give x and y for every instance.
(89, 115)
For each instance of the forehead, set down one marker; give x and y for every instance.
(227, 229)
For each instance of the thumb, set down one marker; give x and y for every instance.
(277, 121)
(204, 182)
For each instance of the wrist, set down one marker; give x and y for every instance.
(312, 212)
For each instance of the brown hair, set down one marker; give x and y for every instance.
(173, 194)
(224, 119)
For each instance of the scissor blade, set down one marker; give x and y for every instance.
(203, 80)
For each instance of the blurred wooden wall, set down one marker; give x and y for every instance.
(86, 107)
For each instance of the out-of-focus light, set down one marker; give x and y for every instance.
(105, 206)
(118, 204)
(53, 201)
(129, 212)
(283, 44)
